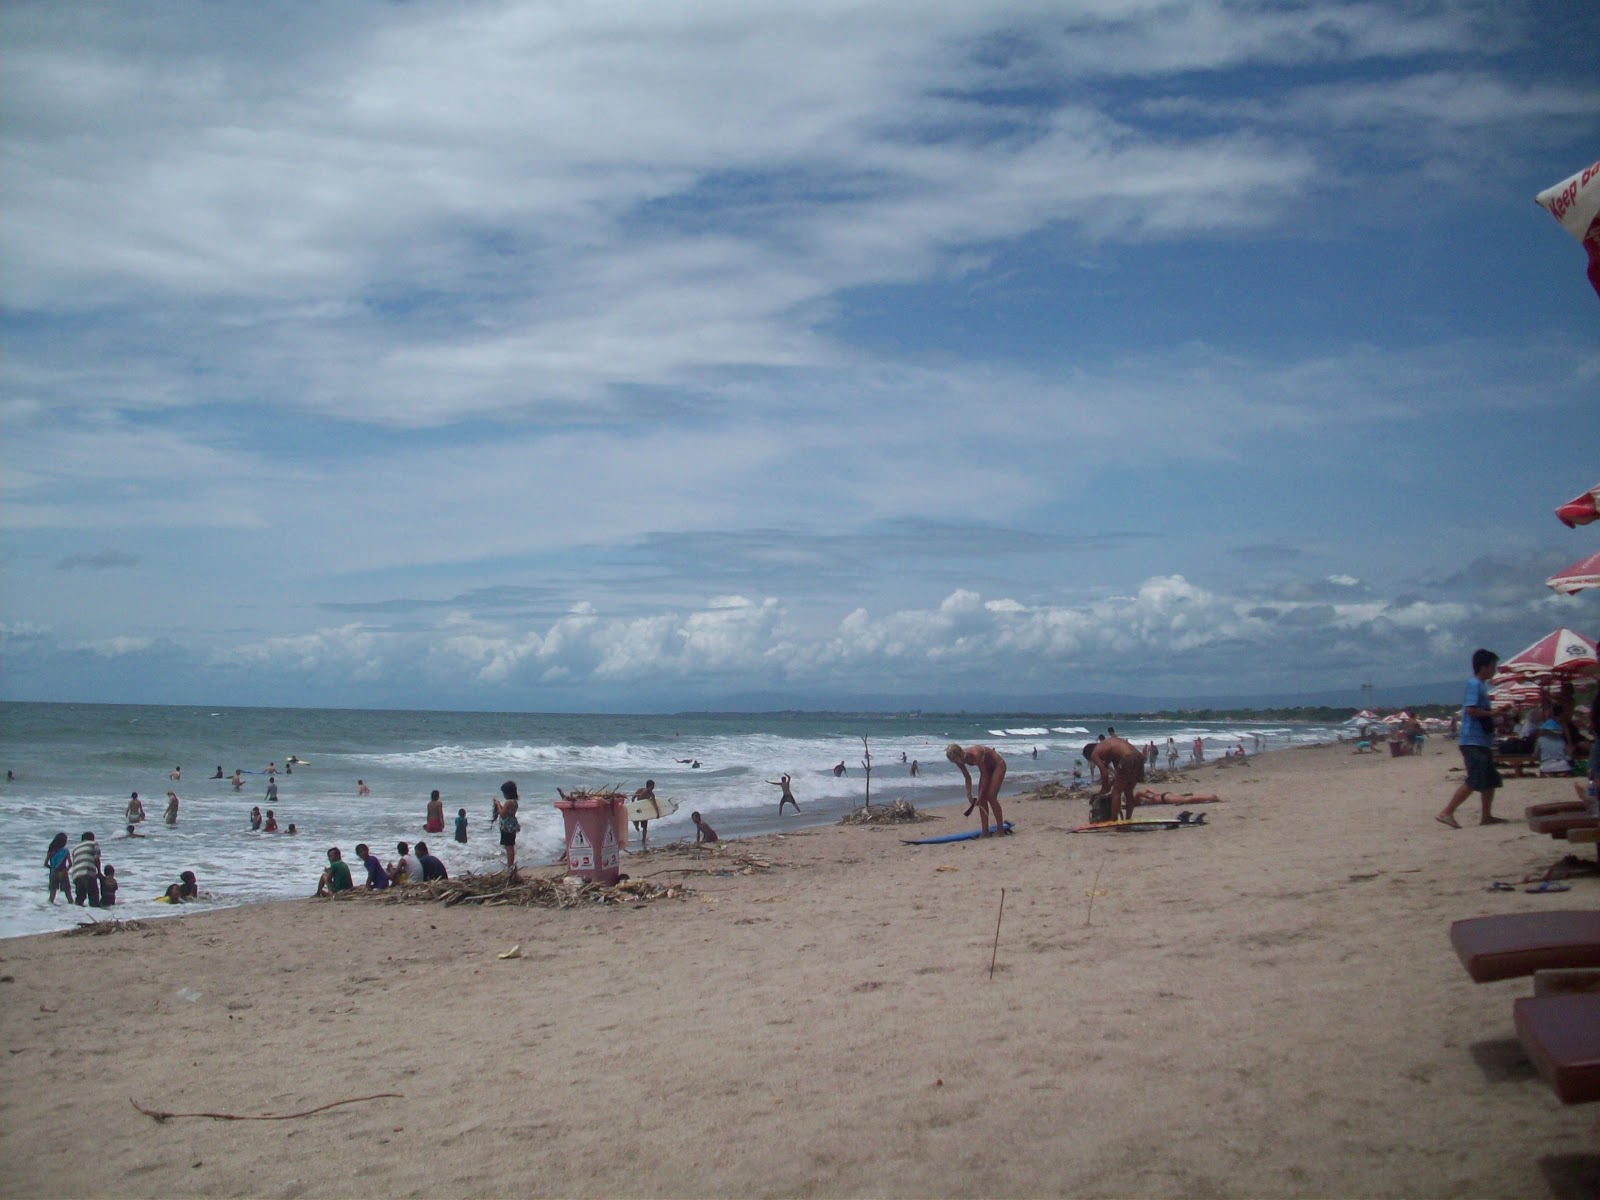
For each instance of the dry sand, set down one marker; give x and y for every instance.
(1268, 1006)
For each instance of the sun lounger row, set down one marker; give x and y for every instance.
(1559, 1029)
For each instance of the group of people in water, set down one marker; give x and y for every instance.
(79, 873)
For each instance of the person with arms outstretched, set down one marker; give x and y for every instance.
(787, 797)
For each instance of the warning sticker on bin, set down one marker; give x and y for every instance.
(608, 852)
(580, 854)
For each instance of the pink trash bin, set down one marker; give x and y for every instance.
(592, 841)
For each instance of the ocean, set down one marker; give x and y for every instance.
(73, 767)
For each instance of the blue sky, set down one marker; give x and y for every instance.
(659, 355)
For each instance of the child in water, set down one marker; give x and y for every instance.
(461, 826)
(108, 886)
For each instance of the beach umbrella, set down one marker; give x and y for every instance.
(1581, 510)
(1366, 714)
(1585, 573)
(1564, 652)
(1575, 202)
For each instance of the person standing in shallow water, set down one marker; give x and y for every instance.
(787, 797)
(171, 815)
(506, 812)
(1477, 745)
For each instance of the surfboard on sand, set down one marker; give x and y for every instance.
(650, 810)
(1181, 821)
(966, 835)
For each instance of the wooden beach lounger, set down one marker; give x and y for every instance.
(1559, 825)
(1511, 944)
(1561, 1034)
(1555, 808)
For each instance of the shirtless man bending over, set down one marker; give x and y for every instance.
(991, 774)
(1121, 767)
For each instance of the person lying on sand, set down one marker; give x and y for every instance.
(1148, 796)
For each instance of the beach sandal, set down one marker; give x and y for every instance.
(1498, 886)
(1446, 820)
(1549, 885)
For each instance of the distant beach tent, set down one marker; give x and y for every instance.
(1584, 509)
(1575, 202)
(1563, 652)
(1585, 573)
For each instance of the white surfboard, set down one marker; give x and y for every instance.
(651, 810)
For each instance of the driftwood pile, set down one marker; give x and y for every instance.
(114, 925)
(1055, 791)
(539, 891)
(610, 794)
(882, 814)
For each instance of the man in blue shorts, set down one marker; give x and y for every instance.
(1477, 744)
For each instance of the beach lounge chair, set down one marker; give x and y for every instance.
(1561, 1034)
(1559, 825)
(1554, 808)
(1507, 945)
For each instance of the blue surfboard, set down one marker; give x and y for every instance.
(965, 835)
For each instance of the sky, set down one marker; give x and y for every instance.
(668, 355)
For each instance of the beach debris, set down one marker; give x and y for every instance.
(1094, 890)
(993, 954)
(883, 814)
(161, 1117)
(1053, 791)
(104, 927)
(528, 890)
(514, 952)
(734, 862)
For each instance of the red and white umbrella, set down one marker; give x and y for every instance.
(1515, 697)
(1585, 573)
(1563, 652)
(1575, 202)
(1582, 509)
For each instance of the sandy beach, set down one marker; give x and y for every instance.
(1265, 1006)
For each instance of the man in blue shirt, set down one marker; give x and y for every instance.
(377, 877)
(1477, 744)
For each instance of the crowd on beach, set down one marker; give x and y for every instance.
(79, 872)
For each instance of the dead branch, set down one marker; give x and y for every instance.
(159, 1117)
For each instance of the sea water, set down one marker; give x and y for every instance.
(74, 766)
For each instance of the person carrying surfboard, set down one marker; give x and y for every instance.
(991, 774)
(647, 792)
